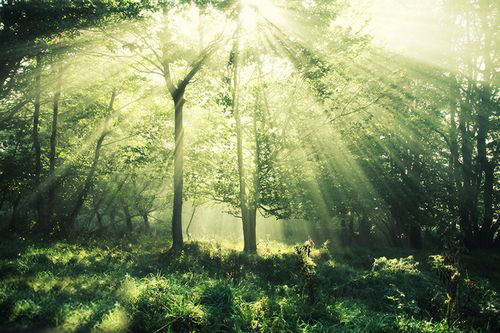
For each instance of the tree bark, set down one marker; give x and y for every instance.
(456, 195)
(467, 194)
(177, 93)
(53, 149)
(415, 236)
(488, 229)
(245, 211)
(145, 219)
(190, 221)
(41, 221)
(485, 111)
(252, 230)
(14, 218)
(255, 197)
(177, 239)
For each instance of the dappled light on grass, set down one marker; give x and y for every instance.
(212, 286)
(249, 166)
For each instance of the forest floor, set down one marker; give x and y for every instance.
(137, 286)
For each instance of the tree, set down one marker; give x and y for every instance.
(473, 141)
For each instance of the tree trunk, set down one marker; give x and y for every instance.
(245, 216)
(190, 221)
(252, 230)
(14, 218)
(128, 219)
(485, 111)
(456, 193)
(415, 236)
(246, 229)
(255, 198)
(177, 93)
(466, 200)
(364, 229)
(146, 221)
(244, 207)
(41, 221)
(53, 150)
(488, 229)
(485, 237)
(2, 201)
(177, 240)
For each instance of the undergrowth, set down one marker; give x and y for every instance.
(137, 286)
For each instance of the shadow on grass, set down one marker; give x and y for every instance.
(209, 288)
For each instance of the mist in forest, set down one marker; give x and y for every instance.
(249, 166)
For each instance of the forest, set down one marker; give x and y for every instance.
(249, 166)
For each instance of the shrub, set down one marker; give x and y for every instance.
(402, 265)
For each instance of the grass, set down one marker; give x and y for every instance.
(136, 286)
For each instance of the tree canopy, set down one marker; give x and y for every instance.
(289, 109)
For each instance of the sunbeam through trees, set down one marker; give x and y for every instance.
(249, 166)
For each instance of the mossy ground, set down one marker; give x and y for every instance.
(137, 286)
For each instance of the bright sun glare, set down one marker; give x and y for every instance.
(254, 11)
(410, 28)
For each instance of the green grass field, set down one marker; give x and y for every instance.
(137, 286)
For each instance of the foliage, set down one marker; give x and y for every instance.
(121, 286)
(285, 110)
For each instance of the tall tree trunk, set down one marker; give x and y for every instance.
(471, 175)
(245, 216)
(177, 93)
(255, 197)
(41, 221)
(177, 240)
(488, 228)
(241, 177)
(53, 149)
(467, 195)
(485, 111)
(456, 195)
(458, 173)
(413, 184)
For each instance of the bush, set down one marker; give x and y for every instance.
(403, 265)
